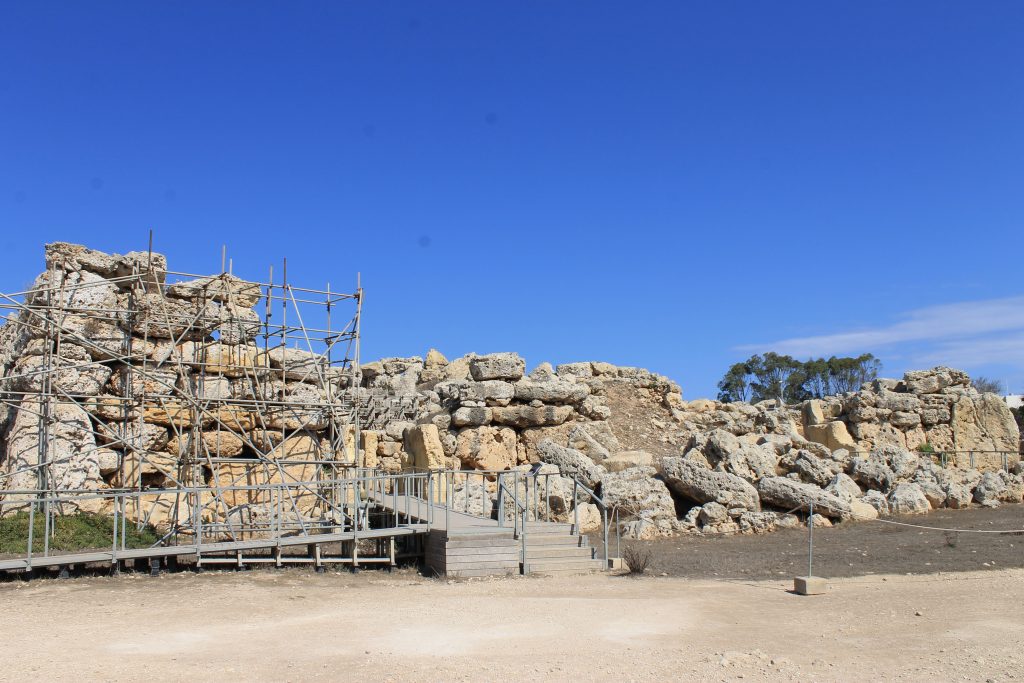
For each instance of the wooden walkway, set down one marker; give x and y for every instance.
(456, 544)
(112, 556)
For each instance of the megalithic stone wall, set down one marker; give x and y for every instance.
(113, 377)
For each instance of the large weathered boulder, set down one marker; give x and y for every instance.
(423, 444)
(70, 453)
(488, 392)
(224, 288)
(550, 391)
(638, 495)
(487, 448)
(984, 423)
(751, 462)
(570, 462)
(832, 435)
(504, 366)
(908, 499)
(794, 495)
(594, 439)
(702, 486)
(935, 380)
(471, 416)
(530, 416)
(625, 459)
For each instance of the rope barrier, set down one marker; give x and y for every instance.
(938, 528)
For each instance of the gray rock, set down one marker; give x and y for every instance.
(542, 372)
(626, 459)
(720, 444)
(843, 486)
(988, 489)
(471, 417)
(713, 514)
(523, 417)
(570, 462)
(504, 366)
(872, 473)
(815, 470)
(550, 391)
(584, 369)
(789, 494)
(582, 440)
(703, 486)
(490, 392)
(877, 500)
(637, 493)
(594, 408)
(908, 499)
(958, 496)
(757, 522)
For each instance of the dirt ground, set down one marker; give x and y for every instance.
(298, 626)
(851, 549)
(904, 604)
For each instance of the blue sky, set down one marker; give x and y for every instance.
(673, 186)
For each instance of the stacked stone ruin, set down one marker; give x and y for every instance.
(908, 446)
(140, 382)
(114, 378)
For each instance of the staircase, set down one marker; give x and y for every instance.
(553, 548)
(550, 549)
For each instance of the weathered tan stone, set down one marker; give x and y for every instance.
(230, 478)
(833, 435)
(370, 444)
(529, 416)
(214, 444)
(487, 448)
(423, 443)
(224, 288)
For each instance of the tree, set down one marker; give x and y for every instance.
(734, 386)
(847, 374)
(986, 385)
(775, 376)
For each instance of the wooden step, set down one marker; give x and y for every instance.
(556, 552)
(575, 565)
(555, 539)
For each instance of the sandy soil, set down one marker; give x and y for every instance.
(297, 626)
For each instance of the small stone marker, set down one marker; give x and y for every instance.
(810, 585)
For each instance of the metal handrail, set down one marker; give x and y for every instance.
(603, 506)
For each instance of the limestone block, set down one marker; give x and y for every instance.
(626, 459)
(222, 288)
(504, 366)
(528, 416)
(423, 443)
(832, 434)
(487, 448)
(214, 444)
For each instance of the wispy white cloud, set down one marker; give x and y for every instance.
(962, 334)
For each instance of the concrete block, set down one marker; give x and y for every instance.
(616, 563)
(810, 585)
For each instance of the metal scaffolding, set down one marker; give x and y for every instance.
(238, 401)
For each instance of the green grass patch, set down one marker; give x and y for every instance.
(81, 531)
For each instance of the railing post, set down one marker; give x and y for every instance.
(113, 548)
(501, 501)
(575, 507)
(604, 524)
(526, 519)
(31, 529)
